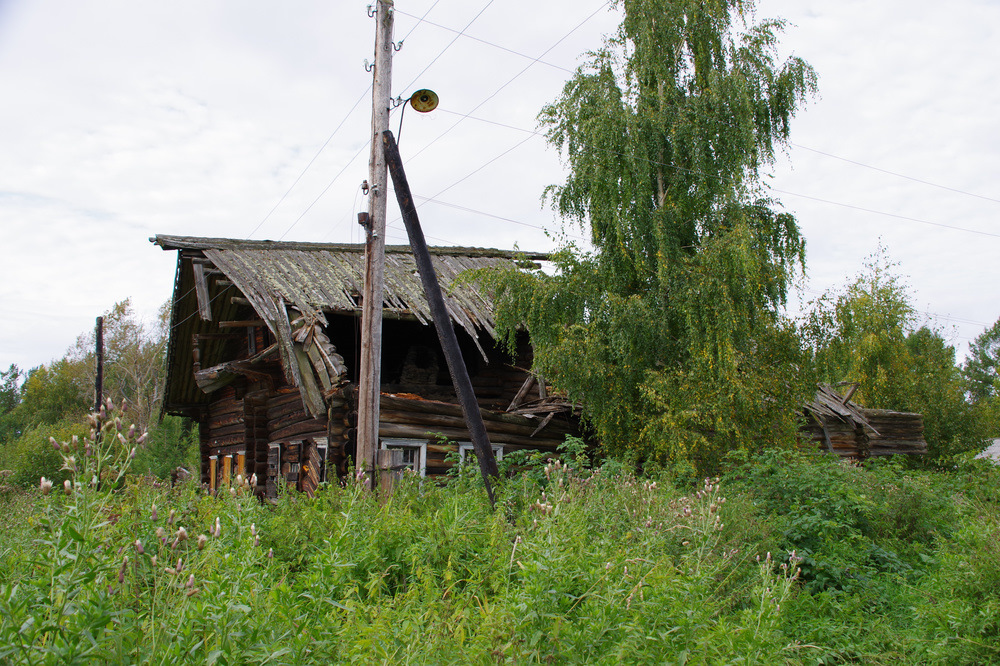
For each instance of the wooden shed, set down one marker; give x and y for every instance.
(843, 427)
(264, 350)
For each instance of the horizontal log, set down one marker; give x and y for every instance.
(418, 432)
(234, 430)
(449, 421)
(390, 403)
(315, 428)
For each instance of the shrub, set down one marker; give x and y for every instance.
(32, 456)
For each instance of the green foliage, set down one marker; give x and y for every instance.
(661, 329)
(860, 334)
(10, 396)
(983, 363)
(867, 334)
(577, 565)
(32, 456)
(171, 443)
(852, 526)
(49, 394)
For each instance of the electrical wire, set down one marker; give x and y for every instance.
(461, 33)
(333, 134)
(775, 190)
(512, 79)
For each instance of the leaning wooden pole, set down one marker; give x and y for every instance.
(370, 378)
(442, 322)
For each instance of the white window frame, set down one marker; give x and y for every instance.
(419, 444)
(465, 447)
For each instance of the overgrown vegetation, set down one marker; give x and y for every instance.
(48, 400)
(790, 558)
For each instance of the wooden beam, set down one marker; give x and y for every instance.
(248, 323)
(201, 289)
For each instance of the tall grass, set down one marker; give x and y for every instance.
(573, 566)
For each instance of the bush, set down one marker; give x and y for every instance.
(32, 456)
(170, 444)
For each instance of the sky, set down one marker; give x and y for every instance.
(249, 119)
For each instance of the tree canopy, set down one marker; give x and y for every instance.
(669, 328)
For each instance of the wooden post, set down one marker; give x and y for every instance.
(442, 322)
(99, 377)
(390, 472)
(370, 380)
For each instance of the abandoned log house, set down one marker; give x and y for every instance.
(838, 425)
(263, 354)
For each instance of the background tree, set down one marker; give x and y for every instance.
(134, 363)
(859, 335)
(982, 375)
(663, 329)
(54, 398)
(868, 334)
(10, 397)
(982, 364)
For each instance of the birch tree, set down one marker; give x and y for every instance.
(669, 328)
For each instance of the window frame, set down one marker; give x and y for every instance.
(408, 443)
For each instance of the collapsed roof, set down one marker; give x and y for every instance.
(292, 287)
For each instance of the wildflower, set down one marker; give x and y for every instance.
(239, 479)
(192, 592)
(102, 414)
(161, 534)
(121, 571)
(153, 516)
(93, 481)
(142, 438)
(202, 540)
(218, 528)
(190, 583)
(270, 553)
(131, 431)
(256, 542)
(180, 565)
(232, 491)
(121, 438)
(70, 463)
(253, 480)
(138, 547)
(87, 451)
(45, 486)
(54, 443)
(67, 487)
(253, 529)
(171, 517)
(131, 454)
(182, 534)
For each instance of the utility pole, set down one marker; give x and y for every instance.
(370, 380)
(99, 352)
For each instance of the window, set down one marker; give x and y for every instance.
(467, 449)
(414, 452)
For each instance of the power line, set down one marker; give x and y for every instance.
(330, 138)
(461, 33)
(367, 144)
(513, 78)
(448, 46)
(778, 191)
(893, 173)
(321, 149)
